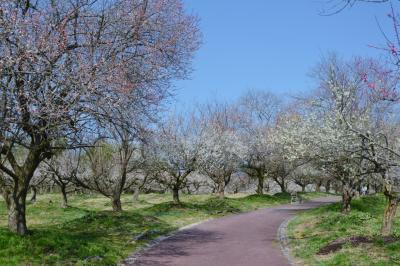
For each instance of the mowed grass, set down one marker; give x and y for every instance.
(314, 229)
(89, 233)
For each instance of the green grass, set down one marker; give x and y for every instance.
(314, 229)
(88, 233)
(311, 195)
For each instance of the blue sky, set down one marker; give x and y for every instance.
(273, 44)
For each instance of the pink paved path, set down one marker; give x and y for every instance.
(236, 240)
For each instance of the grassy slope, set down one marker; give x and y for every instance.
(88, 233)
(314, 229)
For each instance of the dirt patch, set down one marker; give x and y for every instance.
(354, 241)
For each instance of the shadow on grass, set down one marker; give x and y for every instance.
(96, 239)
(216, 206)
(105, 237)
(210, 206)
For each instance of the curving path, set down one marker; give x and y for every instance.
(243, 239)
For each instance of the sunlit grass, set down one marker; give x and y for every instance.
(88, 233)
(316, 228)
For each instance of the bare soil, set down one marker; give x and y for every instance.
(353, 241)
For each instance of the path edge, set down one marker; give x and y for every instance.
(130, 260)
(284, 240)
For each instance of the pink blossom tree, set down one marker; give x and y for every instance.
(61, 60)
(381, 86)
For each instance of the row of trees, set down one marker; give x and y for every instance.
(318, 140)
(83, 83)
(181, 152)
(344, 135)
(217, 145)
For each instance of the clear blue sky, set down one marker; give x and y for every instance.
(272, 44)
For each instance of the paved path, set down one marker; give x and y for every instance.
(236, 240)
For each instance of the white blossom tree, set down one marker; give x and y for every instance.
(380, 141)
(320, 131)
(109, 169)
(221, 151)
(258, 110)
(175, 150)
(62, 169)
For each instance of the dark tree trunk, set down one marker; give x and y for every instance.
(16, 197)
(16, 211)
(318, 187)
(175, 195)
(260, 185)
(347, 196)
(116, 203)
(34, 191)
(64, 203)
(390, 213)
(303, 188)
(328, 186)
(221, 190)
(282, 185)
(136, 194)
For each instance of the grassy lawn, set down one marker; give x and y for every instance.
(88, 233)
(314, 229)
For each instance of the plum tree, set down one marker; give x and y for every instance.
(61, 60)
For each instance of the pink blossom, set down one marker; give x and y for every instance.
(371, 85)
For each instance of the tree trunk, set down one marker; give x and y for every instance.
(328, 186)
(16, 211)
(318, 187)
(64, 203)
(260, 185)
(282, 186)
(303, 188)
(33, 198)
(346, 199)
(175, 195)
(136, 194)
(267, 187)
(116, 203)
(221, 190)
(390, 213)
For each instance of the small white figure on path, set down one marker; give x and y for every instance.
(364, 190)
